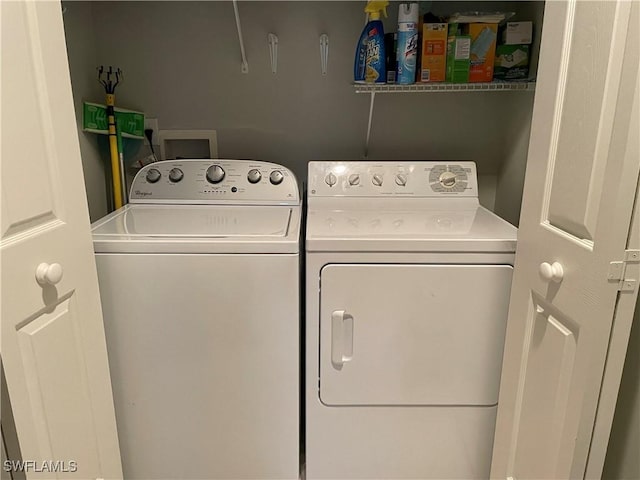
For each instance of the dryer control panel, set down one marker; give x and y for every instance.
(393, 178)
(196, 181)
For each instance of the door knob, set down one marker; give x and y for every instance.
(49, 274)
(551, 273)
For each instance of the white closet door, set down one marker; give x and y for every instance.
(53, 345)
(579, 192)
(412, 334)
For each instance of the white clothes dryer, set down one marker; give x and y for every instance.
(199, 279)
(407, 291)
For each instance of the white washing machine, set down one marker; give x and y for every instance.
(199, 279)
(407, 290)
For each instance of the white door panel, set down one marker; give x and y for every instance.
(52, 344)
(51, 348)
(585, 121)
(579, 192)
(412, 334)
(544, 417)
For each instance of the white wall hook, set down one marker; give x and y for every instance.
(273, 51)
(324, 52)
(245, 65)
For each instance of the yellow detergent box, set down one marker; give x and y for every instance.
(483, 50)
(434, 52)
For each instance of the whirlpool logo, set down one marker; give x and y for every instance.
(140, 193)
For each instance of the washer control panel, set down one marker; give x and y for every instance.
(215, 181)
(404, 179)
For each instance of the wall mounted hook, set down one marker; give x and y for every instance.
(324, 52)
(273, 51)
(245, 65)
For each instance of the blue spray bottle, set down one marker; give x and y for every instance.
(407, 53)
(369, 65)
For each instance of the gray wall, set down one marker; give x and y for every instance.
(81, 50)
(510, 179)
(623, 454)
(4, 475)
(182, 65)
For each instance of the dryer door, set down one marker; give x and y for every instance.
(412, 334)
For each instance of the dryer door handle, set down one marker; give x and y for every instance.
(341, 338)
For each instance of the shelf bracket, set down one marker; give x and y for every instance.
(366, 145)
(245, 66)
(324, 52)
(273, 51)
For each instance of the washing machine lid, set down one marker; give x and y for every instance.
(145, 228)
(408, 226)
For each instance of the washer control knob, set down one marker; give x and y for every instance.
(354, 179)
(276, 177)
(331, 179)
(448, 179)
(175, 175)
(153, 175)
(401, 179)
(377, 180)
(254, 176)
(215, 174)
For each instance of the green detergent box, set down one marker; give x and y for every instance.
(94, 119)
(458, 56)
(512, 62)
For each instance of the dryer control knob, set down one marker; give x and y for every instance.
(215, 174)
(377, 180)
(153, 175)
(331, 179)
(354, 179)
(401, 179)
(448, 179)
(254, 176)
(276, 177)
(175, 175)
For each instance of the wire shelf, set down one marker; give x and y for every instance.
(445, 87)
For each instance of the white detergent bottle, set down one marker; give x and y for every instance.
(407, 51)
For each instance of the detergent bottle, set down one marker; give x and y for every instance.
(370, 58)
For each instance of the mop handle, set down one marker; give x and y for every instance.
(113, 149)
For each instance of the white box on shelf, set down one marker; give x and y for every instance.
(518, 33)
